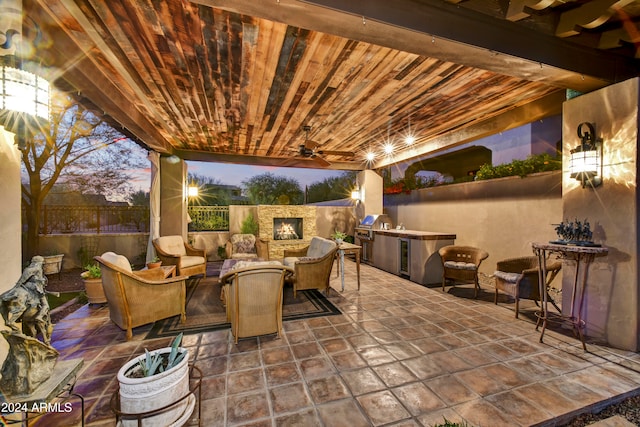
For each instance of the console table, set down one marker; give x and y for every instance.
(583, 257)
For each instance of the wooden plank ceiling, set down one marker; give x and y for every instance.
(237, 81)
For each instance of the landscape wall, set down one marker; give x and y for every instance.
(502, 216)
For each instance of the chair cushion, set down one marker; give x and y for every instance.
(173, 245)
(507, 277)
(319, 247)
(190, 261)
(244, 264)
(119, 261)
(458, 265)
(244, 256)
(244, 243)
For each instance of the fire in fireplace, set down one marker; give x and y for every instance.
(287, 228)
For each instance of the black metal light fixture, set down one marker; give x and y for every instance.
(586, 159)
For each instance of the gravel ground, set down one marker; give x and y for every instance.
(70, 280)
(628, 408)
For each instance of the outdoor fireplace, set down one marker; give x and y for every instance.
(287, 229)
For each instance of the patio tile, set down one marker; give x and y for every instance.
(417, 398)
(383, 407)
(342, 413)
(244, 381)
(289, 397)
(282, 374)
(327, 389)
(411, 355)
(245, 408)
(362, 381)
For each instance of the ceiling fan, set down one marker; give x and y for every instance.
(309, 150)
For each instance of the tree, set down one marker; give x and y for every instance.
(269, 189)
(332, 188)
(78, 149)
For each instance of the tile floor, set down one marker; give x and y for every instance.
(400, 354)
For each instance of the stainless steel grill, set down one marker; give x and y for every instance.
(364, 231)
(365, 236)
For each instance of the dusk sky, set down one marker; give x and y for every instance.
(234, 174)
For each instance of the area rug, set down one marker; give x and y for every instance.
(205, 311)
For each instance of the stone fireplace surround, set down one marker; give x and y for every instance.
(266, 214)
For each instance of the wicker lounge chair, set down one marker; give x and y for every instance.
(253, 297)
(518, 277)
(312, 264)
(245, 246)
(136, 298)
(460, 264)
(173, 250)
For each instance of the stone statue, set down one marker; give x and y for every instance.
(30, 362)
(27, 302)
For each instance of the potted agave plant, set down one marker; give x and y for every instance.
(155, 380)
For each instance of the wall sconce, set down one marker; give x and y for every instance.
(586, 159)
(192, 191)
(24, 92)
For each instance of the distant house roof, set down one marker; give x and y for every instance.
(348, 202)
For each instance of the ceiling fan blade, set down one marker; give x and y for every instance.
(338, 153)
(310, 144)
(321, 161)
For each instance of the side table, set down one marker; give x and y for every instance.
(583, 257)
(58, 386)
(350, 249)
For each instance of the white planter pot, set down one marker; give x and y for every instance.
(52, 264)
(139, 395)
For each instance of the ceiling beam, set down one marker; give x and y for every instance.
(442, 19)
(437, 29)
(548, 106)
(288, 162)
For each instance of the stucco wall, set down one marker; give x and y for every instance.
(10, 216)
(611, 300)
(502, 216)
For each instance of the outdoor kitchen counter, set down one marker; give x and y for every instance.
(411, 253)
(415, 234)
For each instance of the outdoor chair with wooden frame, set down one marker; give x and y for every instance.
(136, 298)
(518, 277)
(173, 250)
(312, 264)
(253, 298)
(460, 264)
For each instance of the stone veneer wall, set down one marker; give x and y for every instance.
(266, 214)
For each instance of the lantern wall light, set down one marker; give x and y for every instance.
(586, 159)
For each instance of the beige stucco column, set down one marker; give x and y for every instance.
(10, 218)
(611, 303)
(173, 197)
(371, 188)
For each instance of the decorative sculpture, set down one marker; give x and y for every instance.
(574, 233)
(29, 362)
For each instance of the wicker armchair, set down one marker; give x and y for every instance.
(518, 277)
(253, 297)
(173, 250)
(136, 298)
(312, 264)
(460, 264)
(245, 246)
